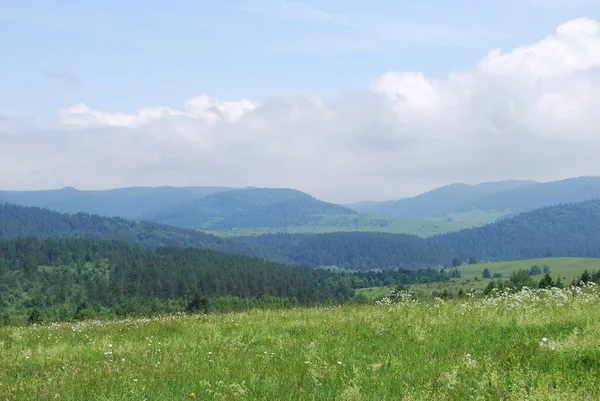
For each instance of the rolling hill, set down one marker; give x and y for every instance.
(486, 202)
(439, 201)
(248, 208)
(538, 195)
(129, 203)
(24, 221)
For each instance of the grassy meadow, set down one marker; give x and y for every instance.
(542, 345)
(565, 268)
(396, 225)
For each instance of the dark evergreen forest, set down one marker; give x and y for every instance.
(70, 277)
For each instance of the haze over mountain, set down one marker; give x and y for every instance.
(538, 195)
(438, 201)
(262, 210)
(509, 197)
(129, 203)
(213, 208)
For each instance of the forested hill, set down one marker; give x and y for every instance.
(346, 250)
(564, 230)
(349, 250)
(249, 208)
(82, 277)
(110, 274)
(22, 221)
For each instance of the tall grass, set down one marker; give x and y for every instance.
(534, 345)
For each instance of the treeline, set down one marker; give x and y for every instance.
(82, 277)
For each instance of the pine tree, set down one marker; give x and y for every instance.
(546, 282)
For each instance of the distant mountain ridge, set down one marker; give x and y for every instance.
(508, 197)
(129, 203)
(252, 211)
(438, 201)
(539, 195)
(209, 208)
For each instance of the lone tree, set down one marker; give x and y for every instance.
(34, 317)
(535, 270)
(521, 278)
(472, 261)
(546, 282)
(486, 273)
(456, 262)
(198, 304)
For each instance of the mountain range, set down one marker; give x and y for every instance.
(252, 211)
(508, 197)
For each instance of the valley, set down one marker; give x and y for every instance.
(125, 276)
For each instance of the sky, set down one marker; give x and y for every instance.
(347, 100)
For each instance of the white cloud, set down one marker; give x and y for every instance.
(201, 108)
(531, 112)
(574, 47)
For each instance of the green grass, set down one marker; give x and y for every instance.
(467, 349)
(565, 268)
(396, 225)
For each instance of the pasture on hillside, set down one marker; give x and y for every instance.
(471, 275)
(540, 345)
(422, 227)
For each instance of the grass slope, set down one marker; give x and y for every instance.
(537, 347)
(395, 225)
(565, 268)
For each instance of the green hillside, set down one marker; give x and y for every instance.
(566, 268)
(471, 275)
(512, 348)
(329, 223)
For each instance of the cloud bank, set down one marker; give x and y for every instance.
(531, 113)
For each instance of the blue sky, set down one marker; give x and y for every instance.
(125, 55)
(347, 100)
